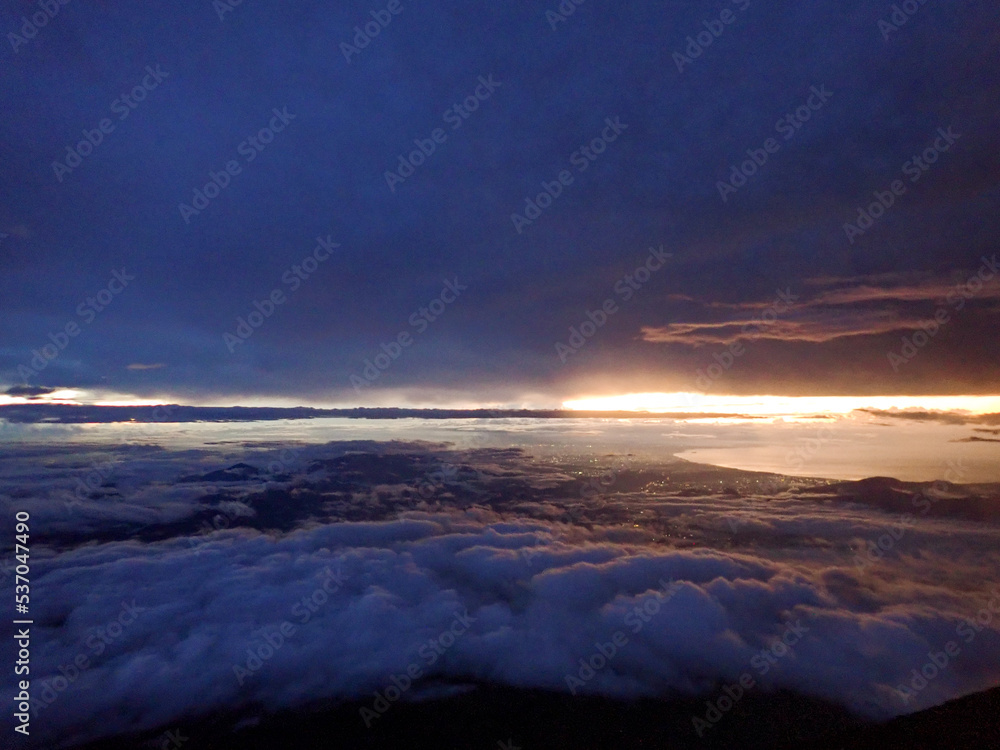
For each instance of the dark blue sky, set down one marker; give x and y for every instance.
(219, 81)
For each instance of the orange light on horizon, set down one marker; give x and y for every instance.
(772, 406)
(62, 396)
(75, 397)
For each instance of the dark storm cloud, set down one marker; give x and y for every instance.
(188, 99)
(29, 391)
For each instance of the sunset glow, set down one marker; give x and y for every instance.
(689, 403)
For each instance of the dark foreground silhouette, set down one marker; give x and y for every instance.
(490, 717)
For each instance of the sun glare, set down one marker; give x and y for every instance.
(778, 406)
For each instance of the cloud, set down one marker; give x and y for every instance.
(29, 391)
(945, 417)
(139, 366)
(861, 306)
(796, 326)
(540, 585)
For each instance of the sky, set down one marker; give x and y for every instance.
(501, 205)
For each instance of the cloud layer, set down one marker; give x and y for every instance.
(543, 567)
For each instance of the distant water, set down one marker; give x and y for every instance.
(855, 447)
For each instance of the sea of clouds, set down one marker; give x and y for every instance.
(168, 628)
